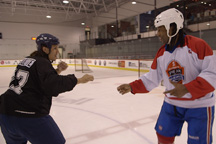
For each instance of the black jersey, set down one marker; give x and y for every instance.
(32, 87)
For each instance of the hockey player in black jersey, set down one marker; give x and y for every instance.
(25, 106)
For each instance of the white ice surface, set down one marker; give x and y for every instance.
(95, 113)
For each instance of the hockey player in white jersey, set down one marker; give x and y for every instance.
(187, 66)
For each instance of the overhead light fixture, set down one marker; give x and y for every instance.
(133, 2)
(48, 16)
(112, 26)
(82, 23)
(208, 24)
(65, 1)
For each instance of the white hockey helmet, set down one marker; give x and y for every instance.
(169, 16)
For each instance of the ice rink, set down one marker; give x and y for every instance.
(95, 113)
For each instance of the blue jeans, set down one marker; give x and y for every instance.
(19, 130)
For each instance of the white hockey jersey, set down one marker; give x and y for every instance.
(193, 65)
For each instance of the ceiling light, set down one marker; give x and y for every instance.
(65, 1)
(133, 2)
(48, 16)
(82, 23)
(208, 24)
(112, 26)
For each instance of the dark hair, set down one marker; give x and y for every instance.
(179, 37)
(39, 53)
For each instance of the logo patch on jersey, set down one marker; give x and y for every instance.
(28, 62)
(175, 72)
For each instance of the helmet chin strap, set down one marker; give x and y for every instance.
(169, 40)
(170, 37)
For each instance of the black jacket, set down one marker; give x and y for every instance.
(34, 83)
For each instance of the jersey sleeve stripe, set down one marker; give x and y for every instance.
(138, 87)
(199, 88)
